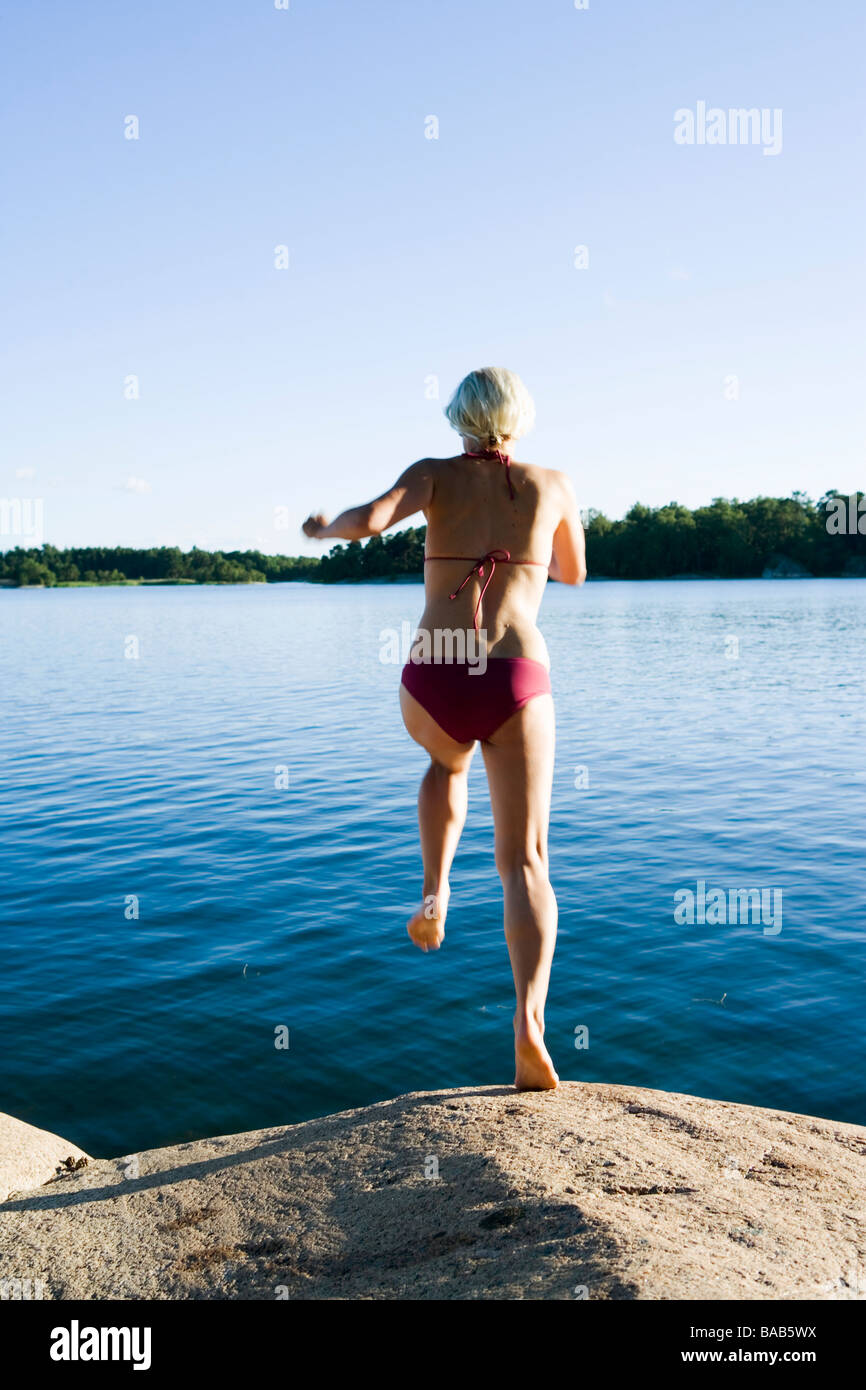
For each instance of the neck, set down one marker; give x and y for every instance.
(475, 449)
(499, 454)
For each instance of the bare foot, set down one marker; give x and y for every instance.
(534, 1069)
(427, 926)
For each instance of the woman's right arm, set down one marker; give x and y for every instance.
(412, 492)
(568, 564)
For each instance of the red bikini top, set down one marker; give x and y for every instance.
(492, 556)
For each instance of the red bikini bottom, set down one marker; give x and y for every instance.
(470, 704)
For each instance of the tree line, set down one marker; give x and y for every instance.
(731, 539)
(727, 539)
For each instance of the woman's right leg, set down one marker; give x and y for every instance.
(519, 762)
(441, 816)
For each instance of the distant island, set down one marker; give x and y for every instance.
(768, 536)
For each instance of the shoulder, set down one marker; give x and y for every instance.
(561, 481)
(419, 481)
(557, 491)
(427, 467)
(418, 478)
(550, 480)
(428, 472)
(563, 489)
(437, 464)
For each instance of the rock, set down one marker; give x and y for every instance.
(605, 1192)
(30, 1156)
(783, 567)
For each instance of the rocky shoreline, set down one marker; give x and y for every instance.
(590, 1192)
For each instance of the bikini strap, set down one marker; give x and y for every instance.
(478, 568)
(491, 557)
(501, 458)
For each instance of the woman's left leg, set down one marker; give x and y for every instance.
(442, 803)
(519, 762)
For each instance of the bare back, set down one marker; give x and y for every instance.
(472, 512)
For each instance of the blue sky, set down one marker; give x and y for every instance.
(414, 258)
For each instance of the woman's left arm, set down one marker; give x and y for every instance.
(568, 562)
(412, 492)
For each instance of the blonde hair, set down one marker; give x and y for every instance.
(490, 406)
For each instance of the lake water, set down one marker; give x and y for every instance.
(716, 731)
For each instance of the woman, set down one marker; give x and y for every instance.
(495, 530)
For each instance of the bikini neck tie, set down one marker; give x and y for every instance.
(478, 568)
(501, 458)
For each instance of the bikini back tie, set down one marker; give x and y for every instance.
(503, 557)
(478, 568)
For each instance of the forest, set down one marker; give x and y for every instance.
(728, 539)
